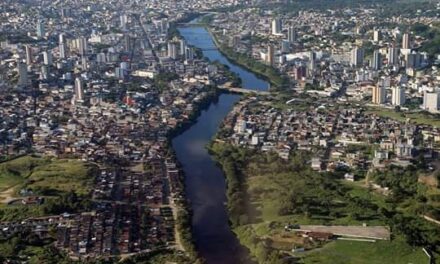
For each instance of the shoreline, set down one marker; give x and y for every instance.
(213, 94)
(221, 49)
(185, 214)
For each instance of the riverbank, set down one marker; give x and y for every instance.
(204, 181)
(184, 211)
(265, 194)
(261, 70)
(267, 73)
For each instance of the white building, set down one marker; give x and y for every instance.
(406, 41)
(276, 26)
(393, 56)
(398, 96)
(79, 93)
(431, 101)
(40, 29)
(357, 57)
(47, 57)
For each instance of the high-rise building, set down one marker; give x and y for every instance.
(431, 101)
(165, 24)
(101, 58)
(189, 54)
(124, 20)
(393, 56)
(182, 47)
(378, 94)
(270, 55)
(377, 35)
(28, 54)
(398, 96)
(79, 92)
(312, 62)
(406, 41)
(413, 60)
(47, 57)
(277, 27)
(40, 29)
(84, 63)
(62, 38)
(377, 60)
(81, 45)
(62, 50)
(66, 12)
(22, 74)
(357, 57)
(44, 72)
(172, 50)
(300, 72)
(127, 43)
(291, 34)
(285, 46)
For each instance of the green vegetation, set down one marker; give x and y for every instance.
(45, 176)
(183, 224)
(421, 118)
(162, 80)
(233, 77)
(173, 31)
(432, 34)
(26, 244)
(65, 185)
(385, 7)
(395, 252)
(273, 75)
(158, 257)
(265, 193)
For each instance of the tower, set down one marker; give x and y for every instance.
(431, 101)
(378, 94)
(270, 55)
(182, 47)
(377, 35)
(291, 35)
(40, 29)
(28, 54)
(276, 26)
(398, 96)
(79, 93)
(393, 56)
(22, 74)
(172, 50)
(81, 44)
(377, 60)
(62, 50)
(47, 57)
(357, 57)
(406, 41)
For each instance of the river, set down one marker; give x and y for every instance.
(204, 180)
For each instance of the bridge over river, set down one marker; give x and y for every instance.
(242, 90)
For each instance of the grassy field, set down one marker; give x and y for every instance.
(347, 252)
(418, 118)
(268, 202)
(274, 193)
(46, 175)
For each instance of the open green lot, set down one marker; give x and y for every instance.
(345, 252)
(420, 118)
(265, 194)
(46, 176)
(65, 184)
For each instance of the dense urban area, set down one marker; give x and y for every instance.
(337, 161)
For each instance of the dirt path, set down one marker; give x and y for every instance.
(6, 196)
